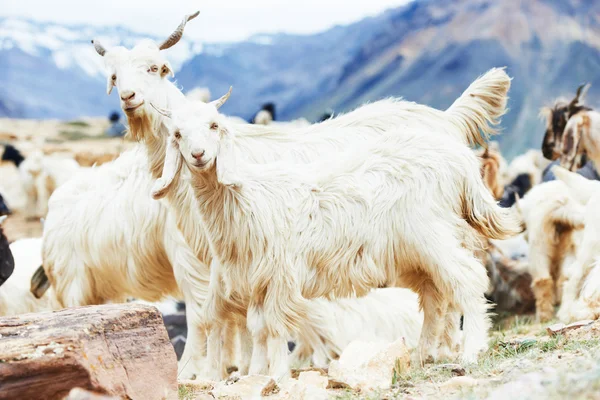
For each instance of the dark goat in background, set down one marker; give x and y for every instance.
(4, 210)
(7, 262)
(269, 107)
(12, 154)
(557, 117)
(519, 186)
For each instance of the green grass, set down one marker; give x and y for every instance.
(186, 393)
(79, 135)
(81, 124)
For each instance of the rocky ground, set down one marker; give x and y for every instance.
(525, 361)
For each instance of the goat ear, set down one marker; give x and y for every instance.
(570, 146)
(109, 85)
(167, 70)
(39, 282)
(171, 170)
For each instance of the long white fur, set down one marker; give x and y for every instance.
(581, 298)
(40, 176)
(303, 215)
(120, 61)
(554, 221)
(371, 318)
(105, 240)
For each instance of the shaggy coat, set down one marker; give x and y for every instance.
(262, 220)
(553, 235)
(478, 107)
(581, 299)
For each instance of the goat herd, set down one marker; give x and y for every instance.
(383, 218)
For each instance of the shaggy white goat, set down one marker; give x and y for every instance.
(105, 240)
(581, 136)
(581, 294)
(40, 176)
(369, 318)
(136, 75)
(553, 234)
(15, 294)
(279, 238)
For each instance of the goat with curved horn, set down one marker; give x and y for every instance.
(178, 33)
(99, 48)
(220, 101)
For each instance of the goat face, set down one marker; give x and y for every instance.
(138, 73)
(572, 154)
(557, 117)
(7, 262)
(195, 133)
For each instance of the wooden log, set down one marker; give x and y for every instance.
(117, 349)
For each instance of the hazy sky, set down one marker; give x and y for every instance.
(219, 20)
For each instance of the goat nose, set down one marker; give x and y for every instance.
(197, 154)
(127, 95)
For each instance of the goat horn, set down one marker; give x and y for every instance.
(220, 101)
(578, 94)
(178, 33)
(162, 111)
(99, 48)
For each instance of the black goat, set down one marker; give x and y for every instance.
(520, 185)
(12, 154)
(7, 262)
(4, 210)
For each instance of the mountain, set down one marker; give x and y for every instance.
(427, 51)
(52, 71)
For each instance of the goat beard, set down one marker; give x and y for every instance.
(140, 125)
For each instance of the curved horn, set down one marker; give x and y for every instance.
(162, 111)
(99, 48)
(220, 101)
(578, 94)
(178, 33)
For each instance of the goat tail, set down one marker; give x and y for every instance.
(581, 188)
(483, 213)
(480, 107)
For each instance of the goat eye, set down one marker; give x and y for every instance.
(114, 77)
(177, 135)
(214, 126)
(154, 68)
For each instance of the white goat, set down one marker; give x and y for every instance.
(40, 176)
(581, 294)
(15, 294)
(482, 103)
(581, 136)
(99, 248)
(369, 318)
(553, 234)
(283, 225)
